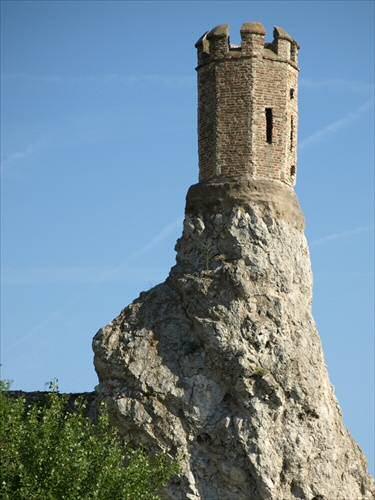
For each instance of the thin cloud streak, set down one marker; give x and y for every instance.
(78, 275)
(340, 235)
(163, 79)
(151, 244)
(90, 275)
(336, 125)
(18, 155)
(336, 83)
(158, 238)
(23, 154)
(53, 316)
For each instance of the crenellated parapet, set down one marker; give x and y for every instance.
(215, 44)
(247, 111)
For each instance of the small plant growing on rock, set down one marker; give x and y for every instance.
(48, 452)
(259, 372)
(209, 253)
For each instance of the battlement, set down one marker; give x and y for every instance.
(215, 45)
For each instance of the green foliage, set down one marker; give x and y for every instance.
(49, 453)
(259, 372)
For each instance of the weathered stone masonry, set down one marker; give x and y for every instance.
(248, 105)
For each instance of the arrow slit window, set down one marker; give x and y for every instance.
(269, 125)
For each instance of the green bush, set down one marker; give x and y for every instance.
(49, 453)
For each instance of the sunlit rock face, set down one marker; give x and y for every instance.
(222, 366)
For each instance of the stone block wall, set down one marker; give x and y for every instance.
(41, 398)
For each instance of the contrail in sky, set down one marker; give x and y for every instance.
(335, 83)
(342, 234)
(115, 78)
(160, 236)
(337, 124)
(152, 243)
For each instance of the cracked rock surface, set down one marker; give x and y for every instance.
(222, 365)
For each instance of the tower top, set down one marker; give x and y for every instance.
(247, 111)
(216, 43)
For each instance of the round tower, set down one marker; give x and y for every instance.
(247, 105)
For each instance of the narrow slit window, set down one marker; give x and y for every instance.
(291, 93)
(269, 125)
(291, 133)
(292, 171)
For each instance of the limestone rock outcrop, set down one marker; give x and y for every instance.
(222, 366)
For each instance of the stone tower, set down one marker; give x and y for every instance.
(247, 105)
(221, 365)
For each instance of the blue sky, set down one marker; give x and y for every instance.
(99, 146)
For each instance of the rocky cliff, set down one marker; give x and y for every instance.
(222, 364)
